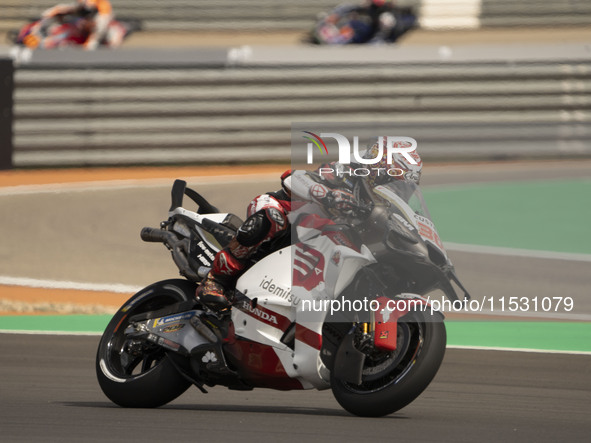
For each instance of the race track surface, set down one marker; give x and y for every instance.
(50, 393)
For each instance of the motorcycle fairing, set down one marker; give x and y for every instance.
(262, 316)
(208, 227)
(264, 366)
(421, 222)
(269, 305)
(338, 267)
(264, 309)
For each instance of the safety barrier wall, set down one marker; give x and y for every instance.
(260, 15)
(455, 110)
(474, 14)
(535, 13)
(194, 14)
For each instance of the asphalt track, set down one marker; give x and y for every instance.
(49, 390)
(49, 393)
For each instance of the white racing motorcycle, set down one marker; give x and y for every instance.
(341, 307)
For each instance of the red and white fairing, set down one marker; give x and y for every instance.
(316, 269)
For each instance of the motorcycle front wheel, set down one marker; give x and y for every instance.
(392, 380)
(133, 373)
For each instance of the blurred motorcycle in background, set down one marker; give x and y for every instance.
(64, 30)
(378, 22)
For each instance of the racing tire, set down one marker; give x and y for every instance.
(146, 378)
(420, 351)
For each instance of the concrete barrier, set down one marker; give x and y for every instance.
(457, 108)
(268, 15)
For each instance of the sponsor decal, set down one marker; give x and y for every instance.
(173, 328)
(427, 231)
(223, 266)
(260, 313)
(173, 318)
(336, 257)
(209, 357)
(274, 289)
(402, 220)
(202, 252)
(318, 191)
(276, 216)
(203, 260)
(206, 250)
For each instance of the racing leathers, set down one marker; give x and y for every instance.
(97, 14)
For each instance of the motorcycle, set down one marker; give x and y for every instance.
(284, 331)
(350, 24)
(65, 30)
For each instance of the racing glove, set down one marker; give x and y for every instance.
(337, 199)
(342, 201)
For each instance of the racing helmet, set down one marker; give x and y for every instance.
(91, 7)
(401, 168)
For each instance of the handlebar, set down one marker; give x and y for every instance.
(179, 249)
(156, 235)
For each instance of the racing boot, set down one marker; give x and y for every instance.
(214, 291)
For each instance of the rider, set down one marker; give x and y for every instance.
(410, 172)
(381, 14)
(267, 227)
(98, 13)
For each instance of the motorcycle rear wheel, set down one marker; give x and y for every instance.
(140, 377)
(392, 380)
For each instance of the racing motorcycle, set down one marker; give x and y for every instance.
(283, 331)
(65, 30)
(351, 24)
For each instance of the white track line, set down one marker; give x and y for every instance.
(109, 185)
(57, 284)
(25, 332)
(515, 252)
(536, 351)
